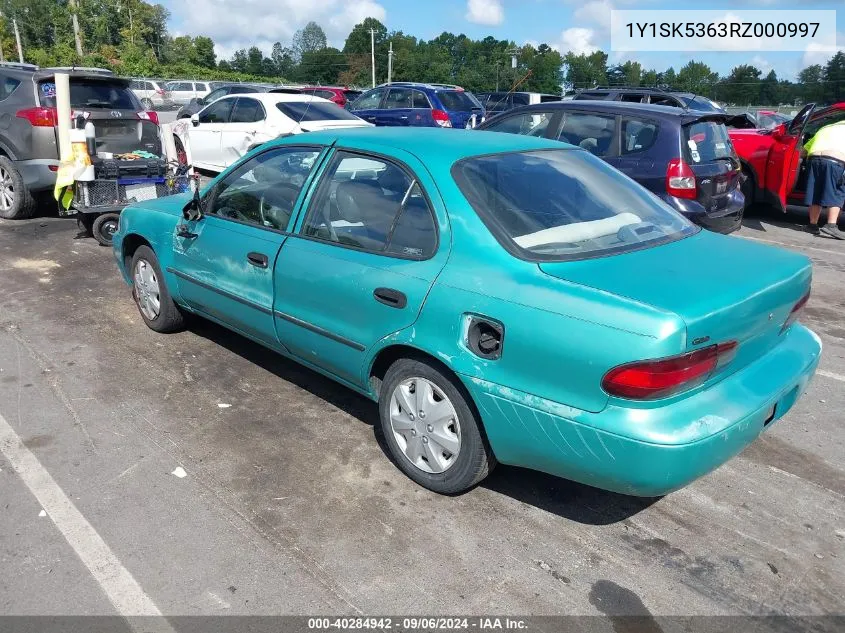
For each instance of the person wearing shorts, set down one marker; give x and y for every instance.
(826, 178)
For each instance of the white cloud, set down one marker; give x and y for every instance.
(234, 24)
(578, 40)
(596, 11)
(489, 12)
(819, 54)
(762, 64)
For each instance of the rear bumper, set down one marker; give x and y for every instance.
(648, 452)
(724, 220)
(37, 175)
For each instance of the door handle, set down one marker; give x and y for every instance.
(371, 119)
(259, 260)
(390, 297)
(404, 118)
(183, 231)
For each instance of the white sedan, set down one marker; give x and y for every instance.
(222, 132)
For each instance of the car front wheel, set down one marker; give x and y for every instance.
(430, 429)
(151, 295)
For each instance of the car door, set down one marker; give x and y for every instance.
(247, 127)
(361, 260)
(367, 105)
(637, 136)
(206, 132)
(224, 261)
(785, 156)
(817, 120)
(396, 109)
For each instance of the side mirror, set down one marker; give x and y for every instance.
(780, 132)
(195, 120)
(193, 210)
(199, 101)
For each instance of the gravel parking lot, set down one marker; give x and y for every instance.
(289, 505)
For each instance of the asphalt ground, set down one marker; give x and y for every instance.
(288, 504)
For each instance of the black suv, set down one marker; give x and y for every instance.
(657, 96)
(29, 157)
(684, 157)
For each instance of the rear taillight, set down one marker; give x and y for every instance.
(680, 180)
(796, 311)
(652, 379)
(148, 115)
(159, 91)
(441, 118)
(39, 117)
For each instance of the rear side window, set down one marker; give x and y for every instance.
(707, 141)
(520, 98)
(419, 101)
(247, 111)
(637, 135)
(397, 99)
(632, 98)
(91, 93)
(7, 86)
(564, 204)
(595, 96)
(314, 111)
(374, 205)
(456, 100)
(218, 112)
(592, 132)
(242, 90)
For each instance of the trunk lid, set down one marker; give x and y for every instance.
(710, 154)
(724, 288)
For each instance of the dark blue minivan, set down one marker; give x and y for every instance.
(419, 105)
(683, 156)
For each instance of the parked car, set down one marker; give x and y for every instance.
(771, 159)
(198, 103)
(30, 158)
(340, 96)
(657, 96)
(224, 131)
(683, 156)
(419, 104)
(152, 94)
(502, 298)
(497, 102)
(183, 91)
(763, 120)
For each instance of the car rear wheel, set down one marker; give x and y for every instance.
(747, 189)
(104, 228)
(430, 428)
(147, 103)
(151, 295)
(16, 201)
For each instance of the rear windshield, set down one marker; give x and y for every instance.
(457, 100)
(565, 204)
(91, 93)
(707, 141)
(314, 111)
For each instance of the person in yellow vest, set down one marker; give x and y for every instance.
(826, 178)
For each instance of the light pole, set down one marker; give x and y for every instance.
(373, 54)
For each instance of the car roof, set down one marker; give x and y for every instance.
(272, 98)
(430, 144)
(610, 106)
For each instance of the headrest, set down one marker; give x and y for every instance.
(393, 179)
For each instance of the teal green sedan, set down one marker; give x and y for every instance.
(504, 299)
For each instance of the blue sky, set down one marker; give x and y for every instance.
(565, 24)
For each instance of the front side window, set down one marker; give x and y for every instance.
(372, 204)
(217, 112)
(263, 191)
(592, 132)
(526, 123)
(564, 204)
(369, 100)
(247, 111)
(637, 135)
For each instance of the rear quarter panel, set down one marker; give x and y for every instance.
(753, 150)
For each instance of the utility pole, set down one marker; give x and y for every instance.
(390, 63)
(18, 39)
(498, 63)
(373, 54)
(73, 9)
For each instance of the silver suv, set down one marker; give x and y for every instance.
(29, 157)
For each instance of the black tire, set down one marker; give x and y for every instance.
(747, 189)
(474, 460)
(170, 318)
(18, 201)
(147, 103)
(104, 227)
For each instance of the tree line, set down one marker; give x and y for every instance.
(130, 37)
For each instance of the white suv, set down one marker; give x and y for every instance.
(152, 94)
(183, 91)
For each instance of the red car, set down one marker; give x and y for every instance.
(340, 96)
(771, 159)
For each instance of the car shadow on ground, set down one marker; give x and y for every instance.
(564, 498)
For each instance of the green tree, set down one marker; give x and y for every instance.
(834, 78)
(812, 88)
(742, 86)
(770, 89)
(309, 39)
(254, 61)
(282, 58)
(203, 54)
(696, 77)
